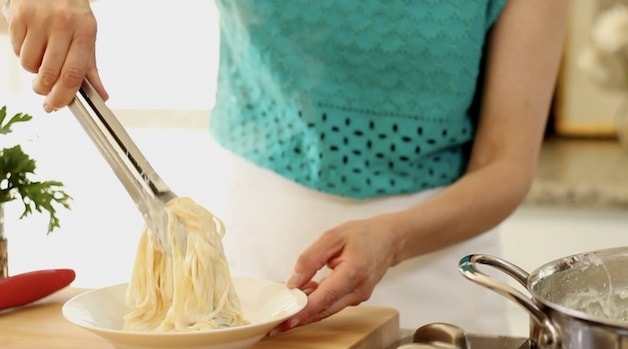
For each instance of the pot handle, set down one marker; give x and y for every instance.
(548, 337)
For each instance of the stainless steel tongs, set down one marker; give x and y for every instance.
(149, 192)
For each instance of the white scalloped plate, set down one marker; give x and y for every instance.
(265, 304)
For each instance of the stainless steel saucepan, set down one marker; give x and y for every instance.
(579, 301)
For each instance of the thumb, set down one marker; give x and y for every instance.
(94, 78)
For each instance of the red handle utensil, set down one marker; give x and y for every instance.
(22, 289)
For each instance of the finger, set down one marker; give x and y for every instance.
(72, 73)
(17, 31)
(18, 34)
(27, 39)
(339, 290)
(320, 306)
(309, 287)
(51, 64)
(314, 259)
(94, 79)
(32, 50)
(339, 304)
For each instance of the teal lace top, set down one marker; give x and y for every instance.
(359, 98)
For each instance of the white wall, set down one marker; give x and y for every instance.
(152, 54)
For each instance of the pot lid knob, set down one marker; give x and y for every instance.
(440, 336)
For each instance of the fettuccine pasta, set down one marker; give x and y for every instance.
(186, 289)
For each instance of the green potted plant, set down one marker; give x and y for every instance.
(16, 170)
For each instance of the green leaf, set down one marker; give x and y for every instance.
(16, 168)
(44, 196)
(5, 127)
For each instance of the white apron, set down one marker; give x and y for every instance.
(270, 220)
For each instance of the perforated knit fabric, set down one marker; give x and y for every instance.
(359, 98)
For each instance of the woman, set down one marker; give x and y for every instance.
(380, 141)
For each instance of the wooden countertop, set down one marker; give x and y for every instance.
(41, 325)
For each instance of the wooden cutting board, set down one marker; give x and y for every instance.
(41, 325)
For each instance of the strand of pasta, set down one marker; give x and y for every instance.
(189, 289)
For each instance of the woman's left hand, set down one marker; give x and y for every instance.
(358, 254)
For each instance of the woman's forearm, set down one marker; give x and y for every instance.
(523, 58)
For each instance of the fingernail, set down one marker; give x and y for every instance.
(294, 280)
(49, 109)
(294, 322)
(273, 333)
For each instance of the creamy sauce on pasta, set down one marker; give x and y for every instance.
(189, 288)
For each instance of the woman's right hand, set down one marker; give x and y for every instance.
(56, 40)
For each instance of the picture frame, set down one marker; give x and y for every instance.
(582, 107)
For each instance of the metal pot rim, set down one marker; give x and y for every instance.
(581, 315)
(572, 262)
